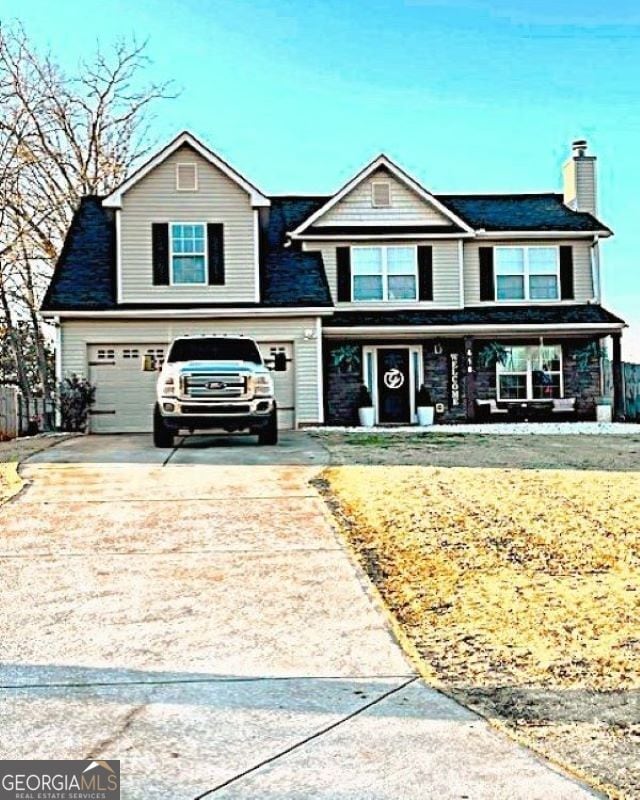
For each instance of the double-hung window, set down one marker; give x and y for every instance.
(527, 273)
(188, 254)
(384, 273)
(530, 373)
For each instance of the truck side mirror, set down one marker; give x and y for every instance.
(149, 363)
(280, 362)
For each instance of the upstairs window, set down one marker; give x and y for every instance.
(527, 273)
(384, 273)
(188, 254)
(186, 177)
(380, 194)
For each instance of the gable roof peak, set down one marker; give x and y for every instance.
(401, 175)
(114, 200)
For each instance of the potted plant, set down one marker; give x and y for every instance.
(366, 414)
(604, 409)
(424, 407)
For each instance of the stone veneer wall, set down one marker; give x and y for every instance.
(437, 377)
(342, 387)
(583, 385)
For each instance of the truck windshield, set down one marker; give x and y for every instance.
(214, 349)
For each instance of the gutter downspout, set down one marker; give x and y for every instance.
(595, 269)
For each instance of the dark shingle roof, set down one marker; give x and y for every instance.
(291, 276)
(519, 212)
(482, 315)
(506, 212)
(85, 276)
(85, 279)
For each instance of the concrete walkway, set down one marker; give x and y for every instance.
(197, 617)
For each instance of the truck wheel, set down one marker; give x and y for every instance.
(269, 434)
(162, 436)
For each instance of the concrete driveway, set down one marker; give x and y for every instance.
(193, 613)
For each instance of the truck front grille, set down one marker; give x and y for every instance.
(215, 385)
(219, 408)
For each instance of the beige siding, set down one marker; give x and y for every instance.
(218, 199)
(586, 185)
(76, 335)
(446, 272)
(580, 189)
(406, 207)
(583, 284)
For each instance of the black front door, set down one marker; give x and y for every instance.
(394, 401)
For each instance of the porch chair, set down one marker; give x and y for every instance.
(488, 410)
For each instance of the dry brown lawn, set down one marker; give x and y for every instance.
(15, 451)
(520, 590)
(9, 481)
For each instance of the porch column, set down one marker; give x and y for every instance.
(469, 379)
(616, 369)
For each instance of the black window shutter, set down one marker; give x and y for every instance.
(566, 272)
(343, 262)
(215, 252)
(425, 272)
(487, 284)
(160, 253)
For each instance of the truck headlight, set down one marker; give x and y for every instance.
(169, 386)
(262, 385)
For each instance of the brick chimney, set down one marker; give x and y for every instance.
(579, 173)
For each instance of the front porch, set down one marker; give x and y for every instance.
(488, 378)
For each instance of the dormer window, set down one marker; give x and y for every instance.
(380, 194)
(186, 177)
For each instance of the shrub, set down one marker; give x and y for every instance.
(423, 397)
(77, 395)
(364, 397)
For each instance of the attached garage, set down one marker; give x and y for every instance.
(125, 392)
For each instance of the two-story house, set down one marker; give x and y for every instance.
(479, 297)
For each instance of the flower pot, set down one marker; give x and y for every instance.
(603, 412)
(367, 416)
(425, 416)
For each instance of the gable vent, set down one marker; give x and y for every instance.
(186, 177)
(381, 194)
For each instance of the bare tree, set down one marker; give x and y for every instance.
(62, 137)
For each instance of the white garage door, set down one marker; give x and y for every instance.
(125, 393)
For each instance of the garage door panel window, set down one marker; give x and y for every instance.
(188, 255)
(530, 373)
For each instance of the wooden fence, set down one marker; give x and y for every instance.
(35, 415)
(631, 381)
(9, 417)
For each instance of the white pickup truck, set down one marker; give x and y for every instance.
(215, 383)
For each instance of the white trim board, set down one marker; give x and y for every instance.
(187, 313)
(379, 236)
(114, 200)
(382, 161)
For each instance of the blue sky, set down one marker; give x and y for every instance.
(466, 95)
